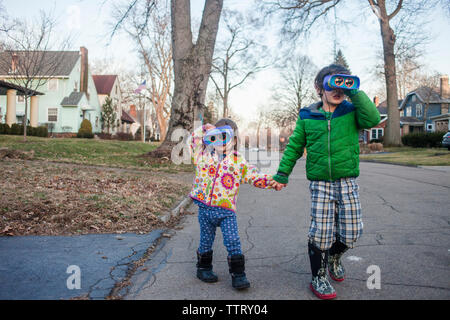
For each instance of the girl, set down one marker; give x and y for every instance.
(220, 170)
(329, 131)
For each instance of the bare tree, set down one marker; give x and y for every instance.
(28, 58)
(191, 62)
(151, 34)
(235, 59)
(303, 14)
(295, 91)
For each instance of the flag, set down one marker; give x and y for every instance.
(141, 87)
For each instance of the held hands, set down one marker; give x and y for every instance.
(277, 186)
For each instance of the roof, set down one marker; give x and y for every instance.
(5, 86)
(73, 99)
(382, 106)
(427, 95)
(126, 117)
(411, 120)
(104, 83)
(65, 61)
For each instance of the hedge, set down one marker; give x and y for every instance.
(423, 139)
(17, 129)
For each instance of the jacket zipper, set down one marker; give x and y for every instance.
(329, 148)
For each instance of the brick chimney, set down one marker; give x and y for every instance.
(376, 101)
(84, 71)
(133, 111)
(444, 90)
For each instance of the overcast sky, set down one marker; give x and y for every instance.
(88, 19)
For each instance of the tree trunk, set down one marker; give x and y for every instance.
(392, 136)
(192, 65)
(25, 118)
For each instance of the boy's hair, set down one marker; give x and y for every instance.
(328, 70)
(228, 122)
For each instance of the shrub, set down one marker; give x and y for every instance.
(41, 131)
(105, 136)
(124, 136)
(4, 128)
(85, 130)
(16, 129)
(423, 139)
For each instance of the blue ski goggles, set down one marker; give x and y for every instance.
(340, 81)
(218, 136)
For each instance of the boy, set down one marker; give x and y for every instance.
(329, 131)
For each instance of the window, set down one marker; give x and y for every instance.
(376, 133)
(75, 87)
(52, 114)
(419, 110)
(53, 85)
(408, 111)
(413, 98)
(20, 99)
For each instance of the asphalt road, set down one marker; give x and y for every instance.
(404, 252)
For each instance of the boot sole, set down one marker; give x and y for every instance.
(242, 287)
(336, 279)
(211, 280)
(322, 296)
(208, 280)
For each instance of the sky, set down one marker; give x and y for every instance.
(88, 21)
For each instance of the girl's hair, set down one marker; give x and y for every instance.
(228, 122)
(328, 70)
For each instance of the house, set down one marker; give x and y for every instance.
(69, 96)
(377, 132)
(137, 116)
(426, 109)
(109, 86)
(423, 110)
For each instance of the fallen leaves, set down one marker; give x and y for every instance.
(43, 198)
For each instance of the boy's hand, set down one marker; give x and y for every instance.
(209, 126)
(276, 185)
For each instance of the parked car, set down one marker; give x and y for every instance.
(446, 141)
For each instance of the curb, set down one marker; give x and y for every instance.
(186, 202)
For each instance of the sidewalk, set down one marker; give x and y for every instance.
(406, 236)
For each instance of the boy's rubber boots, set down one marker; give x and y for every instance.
(204, 267)
(236, 264)
(335, 267)
(320, 285)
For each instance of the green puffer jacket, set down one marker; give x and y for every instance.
(331, 140)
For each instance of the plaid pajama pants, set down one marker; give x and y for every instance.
(335, 213)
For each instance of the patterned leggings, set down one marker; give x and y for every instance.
(212, 217)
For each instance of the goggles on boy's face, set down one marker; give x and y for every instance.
(218, 136)
(340, 81)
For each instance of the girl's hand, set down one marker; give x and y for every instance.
(209, 126)
(276, 185)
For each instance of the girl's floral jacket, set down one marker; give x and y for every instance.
(216, 182)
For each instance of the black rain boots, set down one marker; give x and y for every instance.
(320, 285)
(335, 267)
(204, 267)
(236, 264)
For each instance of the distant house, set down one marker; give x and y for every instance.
(377, 132)
(109, 86)
(426, 109)
(137, 116)
(68, 97)
(423, 110)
